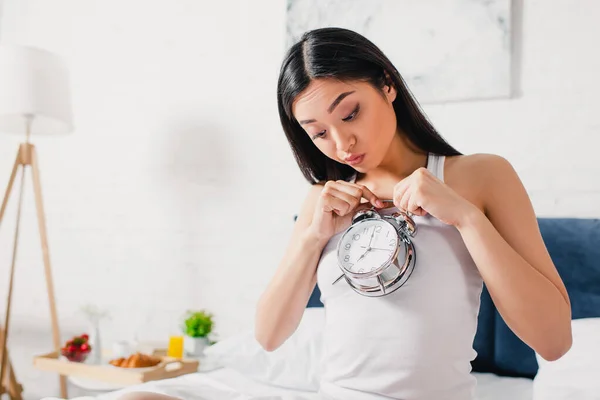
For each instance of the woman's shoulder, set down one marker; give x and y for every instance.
(471, 175)
(476, 163)
(475, 160)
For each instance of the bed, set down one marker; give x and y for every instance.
(505, 367)
(228, 384)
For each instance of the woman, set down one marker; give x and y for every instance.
(359, 138)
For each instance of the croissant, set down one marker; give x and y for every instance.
(137, 360)
(117, 361)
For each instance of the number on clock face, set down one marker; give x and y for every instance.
(367, 246)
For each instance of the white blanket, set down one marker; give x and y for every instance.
(227, 384)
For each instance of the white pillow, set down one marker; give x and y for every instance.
(294, 365)
(576, 375)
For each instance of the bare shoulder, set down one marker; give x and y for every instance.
(475, 164)
(472, 175)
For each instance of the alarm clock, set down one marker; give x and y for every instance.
(375, 253)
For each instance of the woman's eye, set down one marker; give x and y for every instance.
(318, 135)
(351, 116)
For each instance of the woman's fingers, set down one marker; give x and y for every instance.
(344, 197)
(336, 205)
(339, 201)
(359, 191)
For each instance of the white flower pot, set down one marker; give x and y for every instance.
(194, 346)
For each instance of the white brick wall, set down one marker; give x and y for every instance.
(178, 179)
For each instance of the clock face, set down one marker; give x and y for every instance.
(367, 246)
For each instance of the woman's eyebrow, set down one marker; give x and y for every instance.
(332, 107)
(338, 100)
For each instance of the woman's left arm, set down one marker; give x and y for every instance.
(506, 244)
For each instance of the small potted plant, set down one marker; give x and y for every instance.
(197, 325)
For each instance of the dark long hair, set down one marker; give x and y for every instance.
(345, 55)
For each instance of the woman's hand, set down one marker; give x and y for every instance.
(421, 193)
(337, 203)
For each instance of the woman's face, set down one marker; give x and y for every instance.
(350, 122)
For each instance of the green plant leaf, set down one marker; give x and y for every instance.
(198, 323)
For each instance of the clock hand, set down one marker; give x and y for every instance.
(368, 247)
(371, 239)
(364, 254)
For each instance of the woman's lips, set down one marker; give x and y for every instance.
(354, 160)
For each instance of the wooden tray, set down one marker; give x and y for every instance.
(168, 368)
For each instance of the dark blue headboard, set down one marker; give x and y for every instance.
(574, 245)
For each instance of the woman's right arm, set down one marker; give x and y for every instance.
(326, 209)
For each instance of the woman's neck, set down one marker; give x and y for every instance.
(401, 160)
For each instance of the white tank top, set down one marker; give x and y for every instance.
(415, 343)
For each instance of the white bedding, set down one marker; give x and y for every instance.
(227, 384)
(494, 387)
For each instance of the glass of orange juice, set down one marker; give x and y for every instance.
(175, 348)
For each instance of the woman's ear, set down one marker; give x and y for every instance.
(390, 93)
(389, 89)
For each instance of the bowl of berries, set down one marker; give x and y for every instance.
(76, 349)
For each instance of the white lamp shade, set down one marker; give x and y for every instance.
(34, 82)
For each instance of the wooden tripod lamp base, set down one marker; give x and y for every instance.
(10, 385)
(27, 157)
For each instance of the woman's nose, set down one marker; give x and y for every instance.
(344, 141)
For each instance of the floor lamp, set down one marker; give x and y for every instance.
(34, 100)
